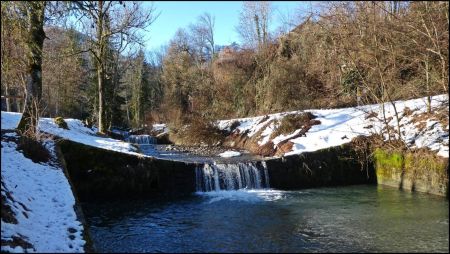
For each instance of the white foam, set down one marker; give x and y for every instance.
(244, 195)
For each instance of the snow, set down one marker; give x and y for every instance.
(228, 154)
(42, 193)
(339, 126)
(77, 132)
(10, 120)
(160, 127)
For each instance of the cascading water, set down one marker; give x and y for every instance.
(216, 177)
(141, 139)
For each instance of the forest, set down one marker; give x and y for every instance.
(87, 60)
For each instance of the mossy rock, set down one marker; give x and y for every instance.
(418, 170)
(61, 123)
(388, 159)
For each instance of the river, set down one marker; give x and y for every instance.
(362, 218)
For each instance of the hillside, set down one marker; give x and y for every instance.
(322, 128)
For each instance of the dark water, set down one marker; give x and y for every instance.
(344, 219)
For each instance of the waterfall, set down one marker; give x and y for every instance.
(215, 177)
(141, 139)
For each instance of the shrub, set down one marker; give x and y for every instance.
(290, 123)
(350, 81)
(61, 123)
(198, 131)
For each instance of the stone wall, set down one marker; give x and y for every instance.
(332, 166)
(421, 171)
(103, 174)
(99, 173)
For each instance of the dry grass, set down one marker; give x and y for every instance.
(198, 131)
(290, 123)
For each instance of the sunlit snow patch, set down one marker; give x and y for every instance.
(228, 154)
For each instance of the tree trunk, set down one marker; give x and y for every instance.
(8, 100)
(101, 109)
(33, 91)
(100, 68)
(258, 32)
(443, 75)
(427, 80)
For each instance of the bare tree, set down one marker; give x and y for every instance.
(254, 23)
(201, 39)
(114, 22)
(206, 24)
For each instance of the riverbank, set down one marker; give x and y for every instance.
(38, 205)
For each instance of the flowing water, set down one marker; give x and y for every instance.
(141, 139)
(362, 218)
(233, 176)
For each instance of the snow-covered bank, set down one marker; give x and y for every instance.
(77, 132)
(40, 197)
(339, 126)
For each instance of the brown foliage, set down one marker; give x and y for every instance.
(284, 147)
(291, 123)
(199, 131)
(266, 149)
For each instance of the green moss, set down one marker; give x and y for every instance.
(417, 161)
(61, 123)
(419, 170)
(388, 160)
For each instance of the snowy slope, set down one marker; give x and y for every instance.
(339, 126)
(77, 132)
(42, 201)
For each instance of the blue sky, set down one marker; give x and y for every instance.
(176, 15)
